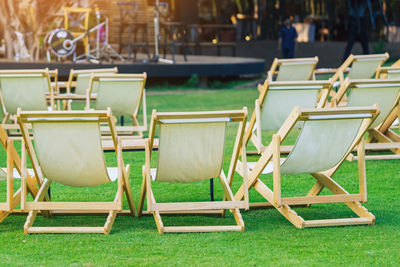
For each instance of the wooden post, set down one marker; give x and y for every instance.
(10, 178)
(361, 170)
(276, 157)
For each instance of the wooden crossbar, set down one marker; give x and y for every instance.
(191, 229)
(82, 206)
(197, 206)
(338, 222)
(66, 230)
(339, 198)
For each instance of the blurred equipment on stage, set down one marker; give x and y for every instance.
(64, 42)
(130, 25)
(162, 9)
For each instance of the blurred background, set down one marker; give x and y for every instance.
(246, 28)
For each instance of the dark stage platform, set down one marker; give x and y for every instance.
(207, 66)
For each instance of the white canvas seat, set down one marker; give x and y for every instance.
(386, 94)
(23, 89)
(68, 149)
(296, 69)
(326, 138)
(124, 94)
(392, 72)
(80, 80)
(359, 67)
(275, 102)
(191, 149)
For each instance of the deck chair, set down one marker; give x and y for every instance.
(191, 149)
(80, 79)
(68, 151)
(386, 94)
(275, 102)
(53, 77)
(392, 72)
(362, 67)
(24, 89)
(297, 69)
(10, 173)
(327, 136)
(124, 94)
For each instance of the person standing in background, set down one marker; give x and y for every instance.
(358, 26)
(287, 39)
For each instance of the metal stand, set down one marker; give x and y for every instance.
(129, 20)
(212, 189)
(157, 37)
(61, 43)
(107, 49)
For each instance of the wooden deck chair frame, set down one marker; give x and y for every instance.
(73, 74)
(112, 207)
(324, 178)
(253, 129)
(292, 61)
(54, 80)
(381, 137)
(136, 127)
(46, 75)
(390, 72)
(192, 208)
(56, 87)
(14, 161)
(53, 75)
(345, 67)
(382, 72)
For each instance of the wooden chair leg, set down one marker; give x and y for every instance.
(315, 190)
(30, 220)
(156, 213)
(39, 197)
(3, 215)
(110, 221)
(128, 190)
(285, 210)
(238, 218)
(142, 193)
(159, 222)
(229, 197)
(136, 123)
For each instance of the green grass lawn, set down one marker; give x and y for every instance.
(269, 238)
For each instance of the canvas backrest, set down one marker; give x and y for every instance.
(380, 92)
(27, 91)
(281, 99)
(191, 150)
(296, 70)
(322, 143)
(364, 67)
(393, 72)
(83, 79)
(121, 94)
(69, 151)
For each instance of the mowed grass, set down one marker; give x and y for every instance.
(269, 238)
